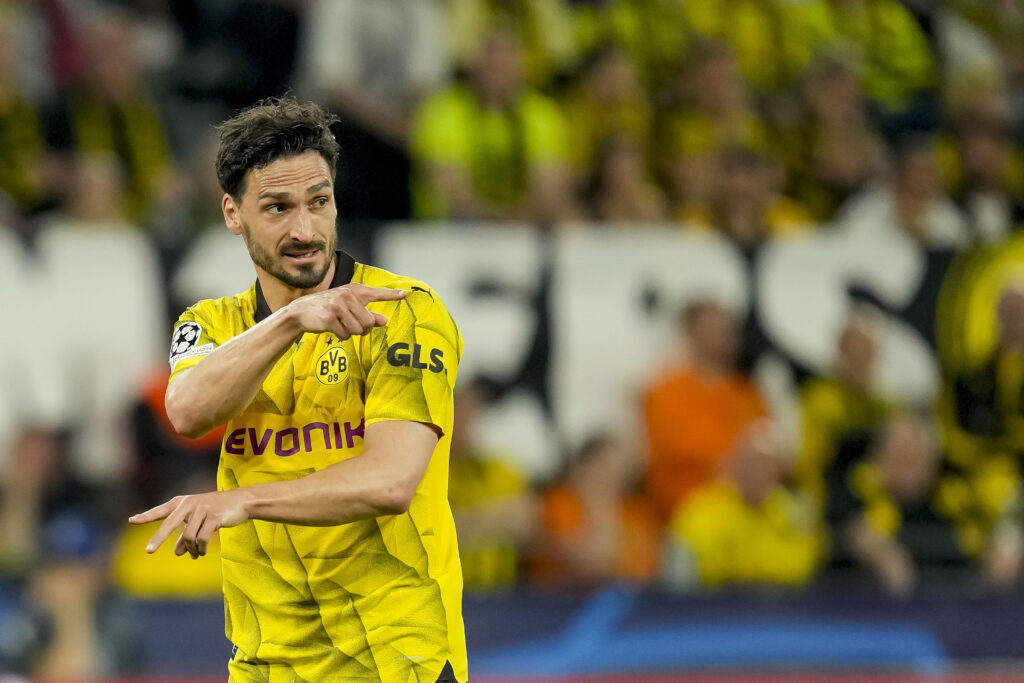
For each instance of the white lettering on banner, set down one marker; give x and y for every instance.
(616, 296)
(612, 309)
(489, 278)
(804, 299)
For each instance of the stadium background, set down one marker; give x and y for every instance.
(567, 288)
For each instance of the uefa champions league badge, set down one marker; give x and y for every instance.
(184, 342)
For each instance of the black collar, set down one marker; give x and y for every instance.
(343, 273)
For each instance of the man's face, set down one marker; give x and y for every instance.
(287, 218)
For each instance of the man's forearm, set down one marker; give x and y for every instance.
(227, 380)
(380, 481)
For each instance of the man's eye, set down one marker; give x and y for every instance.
(320, 202)
(275, 208)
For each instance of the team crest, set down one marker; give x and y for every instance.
(185, 338)
(332, 365)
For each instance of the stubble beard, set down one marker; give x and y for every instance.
(308, 276)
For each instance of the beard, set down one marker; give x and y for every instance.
(308, 275)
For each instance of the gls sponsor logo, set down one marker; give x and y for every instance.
(400, 356)
(293, 439)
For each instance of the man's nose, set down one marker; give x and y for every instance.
(301, 228)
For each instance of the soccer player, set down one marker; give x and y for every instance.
(335, 380)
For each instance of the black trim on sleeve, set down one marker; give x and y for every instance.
(344, 270)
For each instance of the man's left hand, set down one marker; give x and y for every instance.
(202, 514)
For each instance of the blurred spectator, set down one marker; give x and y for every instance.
(166, 464)
(27, 631)
(30, 472)
(606, 100)
(896, 66)
(747, 204)
(834, 151)
(112, 111)
(21, 138)
(842, 403)
(492, 148)
(746, 527)
(983, 420)
(238, 51)
(895, 513)
(714, 113)
(773, 40)
(45, 37)
(92, 248)
(52, 538)
(495, 511)
(193, 205)
(985, 173)
(543, 27)
(372, 63)
(652, 34)
(620, 188)
(694, 414)
(69, 584)
(912, 203)
(716, 110)
(95, 194)
(595, 529)
(983, 414)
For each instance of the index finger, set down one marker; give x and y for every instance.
(366, 294)
(159, 512)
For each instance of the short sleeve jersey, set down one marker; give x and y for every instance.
(376, 599)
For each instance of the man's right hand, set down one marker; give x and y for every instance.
(342, 310)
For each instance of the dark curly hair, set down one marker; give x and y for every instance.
(269, 130)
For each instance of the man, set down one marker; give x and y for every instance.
(335, 380)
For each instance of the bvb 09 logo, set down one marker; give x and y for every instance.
(331, 366)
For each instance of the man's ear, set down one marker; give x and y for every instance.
(232, 215)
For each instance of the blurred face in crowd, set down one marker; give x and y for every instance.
(112, 56)
(713, 336)
(469, 403)
(623, 167)
(1010, 312)
(286, 215)
(907, 457)
(610, 80)
(983, 151)
(744, 179)
(606, 467)
(857, 351)
(715, 83)
(757, 466)
(833, 94)
(498, 69)
(917, 177)
(96, 188)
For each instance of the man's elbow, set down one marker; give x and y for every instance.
(396, 499)
(186, 420)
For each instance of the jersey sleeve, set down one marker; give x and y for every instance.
(413, 365)
(191, 340)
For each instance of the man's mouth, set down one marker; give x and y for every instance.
(301, 255)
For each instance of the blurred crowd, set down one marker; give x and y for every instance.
(753, 119)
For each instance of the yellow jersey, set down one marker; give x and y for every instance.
(377, 599)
